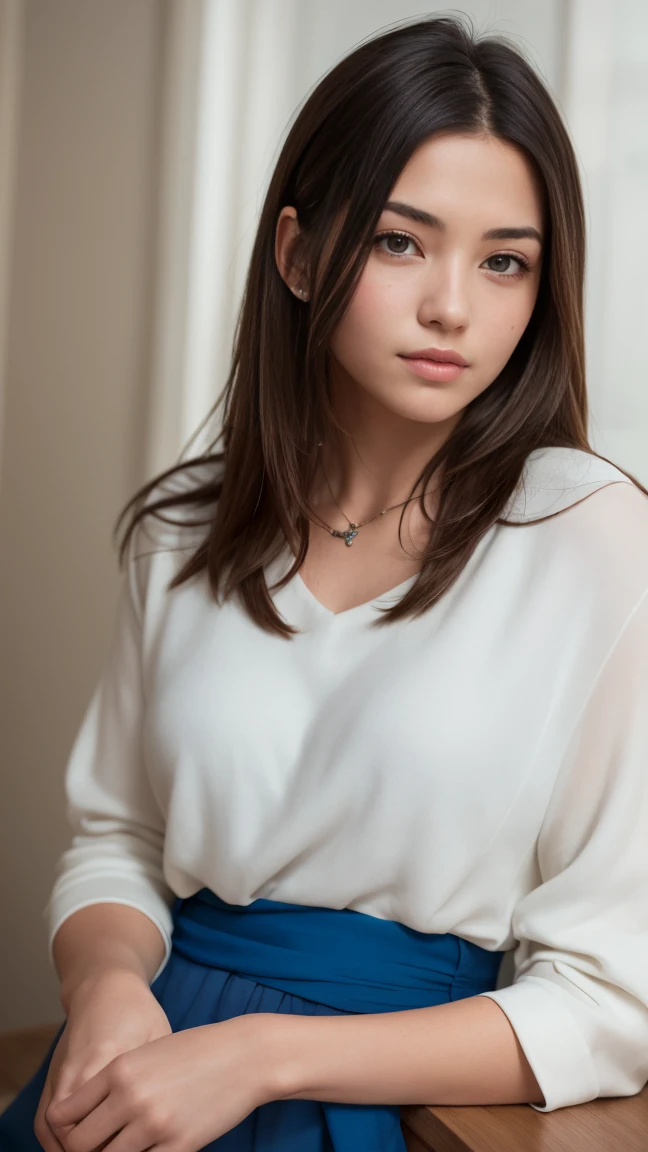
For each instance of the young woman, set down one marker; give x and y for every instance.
(374, 712)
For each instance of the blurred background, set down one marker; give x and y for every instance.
(136, 139)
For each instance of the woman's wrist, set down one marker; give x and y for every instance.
(75, 988)
(275, 1047)
(269, 1045)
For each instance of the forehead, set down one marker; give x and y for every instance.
(464, 177)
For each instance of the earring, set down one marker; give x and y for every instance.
(302, 293)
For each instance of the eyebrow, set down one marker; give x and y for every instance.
(419, 216)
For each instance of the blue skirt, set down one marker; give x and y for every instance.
(267, 956)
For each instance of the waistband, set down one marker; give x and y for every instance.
(342, 958)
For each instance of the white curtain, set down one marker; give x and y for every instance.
(606, 103)
(229, 92)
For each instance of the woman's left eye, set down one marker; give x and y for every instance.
(398, 244)
(522, 264)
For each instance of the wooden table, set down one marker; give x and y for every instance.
(613, 1125)
(618, 1124)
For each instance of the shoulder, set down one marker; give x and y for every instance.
(591, 513)
(554, 479)
(164, 539)
(184, 520)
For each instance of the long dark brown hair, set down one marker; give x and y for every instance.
(340, 161)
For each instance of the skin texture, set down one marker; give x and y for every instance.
(447, 289)
(450, 289)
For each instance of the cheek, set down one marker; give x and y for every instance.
(370, 318)
(507, 323)
(371, 306)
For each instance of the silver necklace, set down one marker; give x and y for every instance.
(353, 529)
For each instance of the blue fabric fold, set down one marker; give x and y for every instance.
(269, 956)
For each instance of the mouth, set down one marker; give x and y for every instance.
(431, 369)
(437, 356)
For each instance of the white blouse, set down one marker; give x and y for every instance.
(480, 770)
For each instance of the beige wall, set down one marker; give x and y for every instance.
(76, 382)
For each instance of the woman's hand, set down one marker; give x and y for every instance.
(174, 1094)
(111, 1013)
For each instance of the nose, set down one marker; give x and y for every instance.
(445, 295)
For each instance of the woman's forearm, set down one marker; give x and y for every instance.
(464, 1052)
(105, 936)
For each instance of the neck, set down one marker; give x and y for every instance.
(373, 463)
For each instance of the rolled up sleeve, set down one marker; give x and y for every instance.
(117, 847)
(579, 999)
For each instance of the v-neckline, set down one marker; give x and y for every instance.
(357, 609)
(296, 587)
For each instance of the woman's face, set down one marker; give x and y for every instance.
(436, 280)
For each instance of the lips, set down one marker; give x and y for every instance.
(439, 355)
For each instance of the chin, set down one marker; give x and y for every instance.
(421, 413)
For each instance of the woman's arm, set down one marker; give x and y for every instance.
(102, 937)
(465, 1052)
(578, 1005)
(110, 905)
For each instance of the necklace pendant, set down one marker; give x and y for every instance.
(347, 536)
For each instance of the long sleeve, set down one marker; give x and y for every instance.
(579, 1000)
(118, 827)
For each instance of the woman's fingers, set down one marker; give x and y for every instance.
(42, 1131)
(100, 1127)
(59, 1084)
(79, 1103)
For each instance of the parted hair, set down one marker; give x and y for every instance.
(341, 158)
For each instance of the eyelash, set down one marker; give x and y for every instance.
(525, 266)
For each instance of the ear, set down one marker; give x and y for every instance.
(287, 247)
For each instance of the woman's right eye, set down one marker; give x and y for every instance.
(398, 242)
